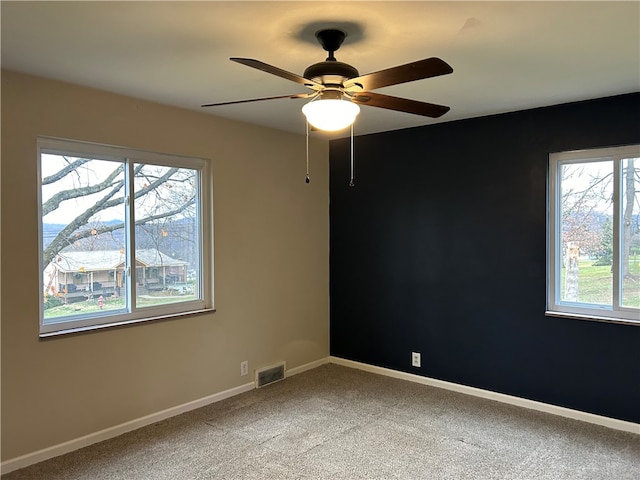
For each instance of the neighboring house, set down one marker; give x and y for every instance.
(76, 274)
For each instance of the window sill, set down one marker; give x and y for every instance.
(92, 328)
(592, 318)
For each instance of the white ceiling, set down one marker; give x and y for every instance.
(506, 56)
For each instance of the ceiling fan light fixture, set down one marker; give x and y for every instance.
(330, 114)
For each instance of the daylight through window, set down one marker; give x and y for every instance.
(594, 234)
(124, 235)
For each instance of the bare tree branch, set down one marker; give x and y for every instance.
(70, 168)
(143, 221)
(54, 202)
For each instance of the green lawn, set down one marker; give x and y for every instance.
(595, 283)
(111, 303)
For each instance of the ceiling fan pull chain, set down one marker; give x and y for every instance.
(351, 184)
(307, 178)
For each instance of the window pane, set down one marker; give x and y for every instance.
(83, 238)
(630, 234)
(167, 235)
(586, 191)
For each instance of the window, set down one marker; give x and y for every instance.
(594, 234)
(125, 236)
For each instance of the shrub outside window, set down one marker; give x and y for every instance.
(125, 235)
(594, 234)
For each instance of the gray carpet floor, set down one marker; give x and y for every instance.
(339, 423)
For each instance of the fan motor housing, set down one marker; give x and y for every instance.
(327, 71)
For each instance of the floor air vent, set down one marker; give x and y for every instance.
(270, 375)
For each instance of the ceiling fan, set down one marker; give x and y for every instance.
(338, 88)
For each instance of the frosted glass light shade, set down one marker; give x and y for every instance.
(330, 115)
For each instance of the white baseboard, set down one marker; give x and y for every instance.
(77, 443)
(307, 366)
(499, 397)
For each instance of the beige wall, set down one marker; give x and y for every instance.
(271, 268)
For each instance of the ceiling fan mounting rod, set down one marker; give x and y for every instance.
(330, 40)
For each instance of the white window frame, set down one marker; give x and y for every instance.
(131, 315)
(555, 306)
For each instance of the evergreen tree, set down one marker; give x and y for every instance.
(604, 256)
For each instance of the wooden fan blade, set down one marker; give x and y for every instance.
(265, 67)
(400, 104)
(427, 68)
(299, 95)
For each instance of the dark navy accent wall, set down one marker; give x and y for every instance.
(440, 248)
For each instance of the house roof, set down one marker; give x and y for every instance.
(111, 259)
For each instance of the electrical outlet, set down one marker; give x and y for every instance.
(244, 368)
(415, 359)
